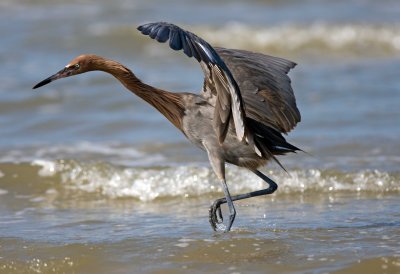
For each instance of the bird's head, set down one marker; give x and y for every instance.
(78, 65)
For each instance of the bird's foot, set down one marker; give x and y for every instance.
(215, 216)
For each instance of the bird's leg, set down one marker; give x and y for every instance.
(232, 211)
(216, 221)
(218, 166)
(215, 216)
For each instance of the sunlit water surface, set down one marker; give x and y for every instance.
(92, 180)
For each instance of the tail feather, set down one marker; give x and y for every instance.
(271, 138)
(270, 141)
(267, 153)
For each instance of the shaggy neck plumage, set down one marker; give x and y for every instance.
(167, 103)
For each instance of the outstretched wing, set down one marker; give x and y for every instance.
(265, 87)
(228, 98)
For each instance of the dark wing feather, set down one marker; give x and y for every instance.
(265, 87)
(217, 75)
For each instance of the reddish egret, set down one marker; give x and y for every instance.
(245, 106)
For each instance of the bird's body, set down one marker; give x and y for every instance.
(196, 127)
(239, 116)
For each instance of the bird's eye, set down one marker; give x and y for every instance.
(77, 66)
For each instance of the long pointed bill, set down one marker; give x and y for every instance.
(61, 74)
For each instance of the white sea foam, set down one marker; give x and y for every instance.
(356, 39)
(3, 191)
(48, 167)
(147, 184)
(352, 38)
(111, 152)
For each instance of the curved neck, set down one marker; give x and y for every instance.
(167, 103)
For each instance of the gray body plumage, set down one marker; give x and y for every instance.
(197, 127)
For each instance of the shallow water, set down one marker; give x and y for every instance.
(92, 180)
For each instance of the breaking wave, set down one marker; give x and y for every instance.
(149, 183)
(350, 38)
(110, 152)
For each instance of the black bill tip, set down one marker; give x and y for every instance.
(44, 82)
(65, 72)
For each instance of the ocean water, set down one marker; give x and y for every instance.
(93, 180)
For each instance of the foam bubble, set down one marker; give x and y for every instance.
(48, 168)
(182, 245)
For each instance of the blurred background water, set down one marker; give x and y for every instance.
(94, 180)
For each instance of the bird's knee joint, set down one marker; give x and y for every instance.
(273, 187)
